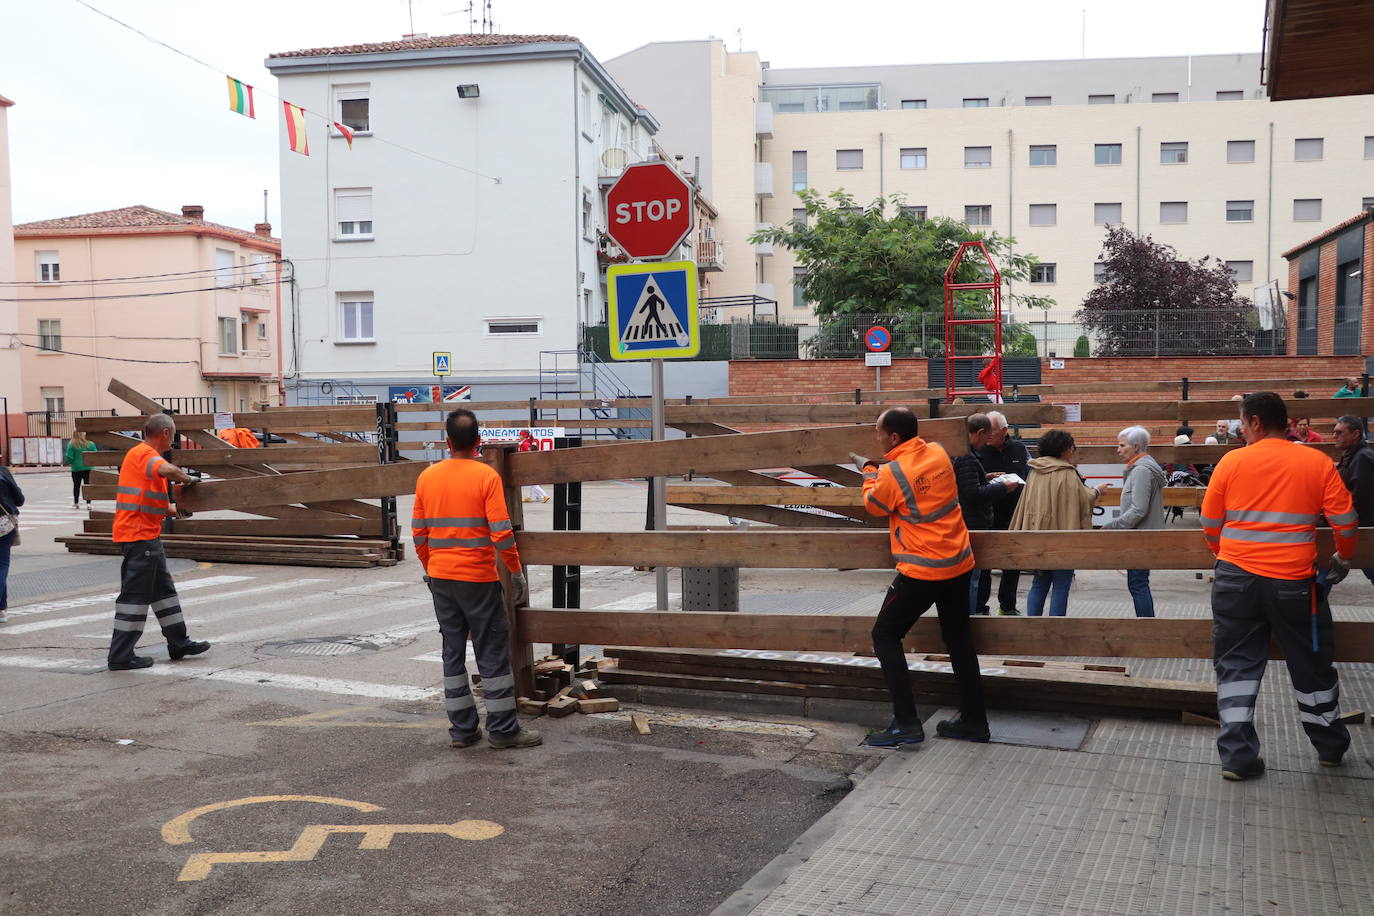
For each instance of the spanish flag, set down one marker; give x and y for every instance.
(295, 129)
(241, 97)
(346, 132)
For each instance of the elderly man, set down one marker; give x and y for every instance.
(1142, 505)
(1356, 467)
(1001, 455)
(977, 493)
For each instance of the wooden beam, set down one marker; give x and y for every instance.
(292, 419)
(1172, 454)
(215, 458)
(843, 413)
(745, 451)
(317, 487)
(247, 527)
(786, 518)
(852, 497)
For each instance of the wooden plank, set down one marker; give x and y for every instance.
(1130, 637)
(319, 487)
(353, 507)
(274, 455)
(610, 423)
(745, 451)
(737, 414)
(785, 518)
(1171, 454)
(243, 527)
(848, 497)
(291, 419)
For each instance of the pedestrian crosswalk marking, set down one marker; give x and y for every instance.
(85, 600)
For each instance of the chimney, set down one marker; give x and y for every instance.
(263, 229)
(193, 211)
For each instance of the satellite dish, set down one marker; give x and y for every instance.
(614, 158)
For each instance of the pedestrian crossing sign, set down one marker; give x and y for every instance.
(652, 310)
(443, 363)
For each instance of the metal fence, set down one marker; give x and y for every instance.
(58, 422)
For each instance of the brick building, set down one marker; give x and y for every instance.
(1330, 307)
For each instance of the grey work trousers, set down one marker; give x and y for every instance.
(478, 610)
(1246, 609)
(144, 582)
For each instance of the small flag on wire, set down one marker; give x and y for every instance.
(346, 132)
(241, 97)
(295, 129)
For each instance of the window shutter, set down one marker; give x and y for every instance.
(353, 206)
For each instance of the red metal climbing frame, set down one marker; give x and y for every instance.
(953, 324)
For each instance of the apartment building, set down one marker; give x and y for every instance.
(1183, 148)
(174, 305)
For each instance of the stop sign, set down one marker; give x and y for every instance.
(650, 209)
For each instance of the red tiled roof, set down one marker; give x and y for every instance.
(135, 218)
(4, 102)
(1326, 233)
(418, 44)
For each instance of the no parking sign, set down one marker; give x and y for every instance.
(878, 339)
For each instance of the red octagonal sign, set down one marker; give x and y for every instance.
(650, 210)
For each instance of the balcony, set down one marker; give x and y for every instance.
(710, 255)
(763, 120)
(763, 249)
(763, 179)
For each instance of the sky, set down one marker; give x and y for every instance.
(104, 118)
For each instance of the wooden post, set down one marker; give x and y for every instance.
(521, 653)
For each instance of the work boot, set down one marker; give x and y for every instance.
(896, 734)
(469, 741)
(1250, 772)
(189, 647)
(525, 737)
(982, 611)
(1008, 612)
(132, 663)
(1332, 761)
(958, 728)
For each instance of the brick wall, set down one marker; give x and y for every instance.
(1367, 324)
(1293, 287)
(1326, 299)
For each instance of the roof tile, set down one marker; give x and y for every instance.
(135, 217)
(418, 44)
(1325, 233)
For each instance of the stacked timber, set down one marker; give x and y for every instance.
(1008, 683)
(288, 551)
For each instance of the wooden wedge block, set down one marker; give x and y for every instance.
(530, 707)
(1354, 717)
(589, 689)
(605, 704)
(561, 706)
(641, 723)
(1192, 718)
(563, 694)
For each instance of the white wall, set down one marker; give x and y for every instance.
(9, 311)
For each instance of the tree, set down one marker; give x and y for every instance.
(1151, 303)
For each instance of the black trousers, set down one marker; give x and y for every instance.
(78, 478)
(907, 599)
(144, 583)
(1006, 589)
(475, 610)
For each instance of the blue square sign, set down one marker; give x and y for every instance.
(652, 310)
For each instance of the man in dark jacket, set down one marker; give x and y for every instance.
(1356, 467)
(1000, 455)
(977, 493)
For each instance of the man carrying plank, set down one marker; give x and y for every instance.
(914, 487)
(142, 501)
(1260, 518)
(459, 522)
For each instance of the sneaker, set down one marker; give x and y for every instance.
(546, 499)
(1332, 761)
(1008, 612)
(958, 728)
(982, 611)
(526, 499)
(469, 741)
(896, 735)
(1250, 772)
(190, 647)
(525, 737)
(133, 663)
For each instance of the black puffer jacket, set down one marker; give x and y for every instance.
(1356, 468)
(976, 495)
(11, 497)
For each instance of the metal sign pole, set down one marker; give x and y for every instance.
(658, 484)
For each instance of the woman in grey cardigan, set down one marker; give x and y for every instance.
(1142, 505)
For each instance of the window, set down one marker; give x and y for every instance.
(1173, 211)
(1308, 149)
(1099, 272)
(510, 327)
(1349, 285)
(260, 262)
(978, 214)
(1240, 150)
(353, 214)
(1369, 147)
(847, 160)
(224, 267)
(355, 318)
(1164, 97)
(975, 103)
(1230, 95)
(798, 294)
(49, 269)
(1032, 100)
(1171, 153)
(913, 103)
(1240, 211)
(799, 216)
(586, 215)
(262, 330)
(1305, 209)
(54, 400)
(1244, 270)
(228, 337)
(586, 108)
(1102, 100)
(352, 107)
(798, 170)
(916, 214)
(977, 157)
(1043, 214)
(1107, 154)
(914, 157)
(1366, 203)
(1044, 155)
(49, 334)
(1042, 273)
(1107, 214)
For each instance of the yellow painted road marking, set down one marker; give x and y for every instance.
(177, 831)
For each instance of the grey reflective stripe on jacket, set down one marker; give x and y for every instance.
(934, 562)
(1270, 537)
(908, 512)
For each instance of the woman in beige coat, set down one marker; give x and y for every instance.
(1055, 499)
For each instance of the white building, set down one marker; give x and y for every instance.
(465, 215)
(1184, 148)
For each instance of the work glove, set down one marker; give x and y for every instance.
(520, 588)
(860, 461)
(1340, 568)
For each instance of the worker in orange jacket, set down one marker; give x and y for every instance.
(142, 501)
(459, 523)
(914, 487)
(1260, 518)
(240, 437)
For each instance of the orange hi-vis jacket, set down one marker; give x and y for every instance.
(240, 437)
(915, 488)
(460, 521)
(141, 498)
(1263, 504)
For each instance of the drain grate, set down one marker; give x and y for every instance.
(318, 646)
